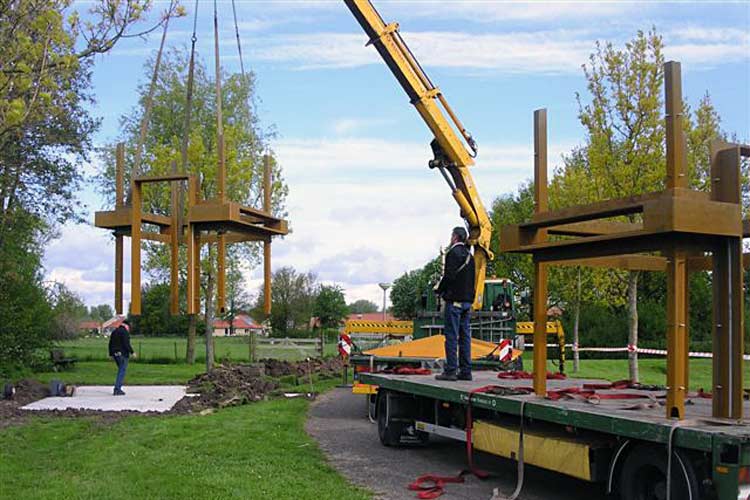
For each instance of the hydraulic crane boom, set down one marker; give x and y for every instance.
(451, 155)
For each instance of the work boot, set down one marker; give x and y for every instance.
(464, 376)
(119, 393)
(451, 377)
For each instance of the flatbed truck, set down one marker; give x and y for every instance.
(614, 436)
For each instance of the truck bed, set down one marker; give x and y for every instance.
(629, 418)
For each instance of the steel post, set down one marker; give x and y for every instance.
(267, 243)
(135, 250)
(676, 332)
(174, 248)
(728, 339)
(676, 151)
(540, 270)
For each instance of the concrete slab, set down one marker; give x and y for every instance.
(142, 398)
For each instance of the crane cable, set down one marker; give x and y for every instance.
(188, 112)
(135, 170)
(237, 35)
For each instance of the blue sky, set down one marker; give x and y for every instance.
(363, 205)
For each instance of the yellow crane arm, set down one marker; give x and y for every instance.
(451, 156)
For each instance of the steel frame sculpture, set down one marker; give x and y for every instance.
(691, 230)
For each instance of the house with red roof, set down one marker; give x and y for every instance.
(242, 323)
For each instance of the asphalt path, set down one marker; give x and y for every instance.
(338, 422)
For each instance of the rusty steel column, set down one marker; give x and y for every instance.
(540, 269)
(267, 242)
(728, 339)
(135, 249)
(119, 203)
(676, 335)
(174, 242)
(676, 151)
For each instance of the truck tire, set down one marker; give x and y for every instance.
(389, 432)
(644, 475)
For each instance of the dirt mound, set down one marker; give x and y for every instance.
(226, 385)
(237, 384)
(26, 391)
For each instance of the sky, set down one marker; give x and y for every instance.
(363, 205)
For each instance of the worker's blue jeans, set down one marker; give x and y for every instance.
(122, 366)
(457, 337)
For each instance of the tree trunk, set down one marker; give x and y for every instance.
(633, 324)
(192, 327)
(209, 322)
(576, 321)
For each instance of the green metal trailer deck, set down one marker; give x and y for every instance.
(622, 443)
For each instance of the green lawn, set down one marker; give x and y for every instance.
(103, 373)
(172, 349)
(252, 451)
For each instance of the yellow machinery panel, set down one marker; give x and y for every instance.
(527, 328)
(549, 451)
(393, 328)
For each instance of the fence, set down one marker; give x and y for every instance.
(306, 347)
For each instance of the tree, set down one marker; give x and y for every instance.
(45, 82)
(25, 312)
(101, 313)
(293, 298)
(362, 306)
(330, 306)
(156, 320)
(245, 144)
(68, 311)
(624, 150)
(407, 290)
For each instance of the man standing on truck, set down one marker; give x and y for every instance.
(456, 287)
(120, 350)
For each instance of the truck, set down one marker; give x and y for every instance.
(614, 433)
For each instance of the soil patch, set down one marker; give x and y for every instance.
(227, 385)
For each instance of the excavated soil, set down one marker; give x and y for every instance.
(227, 385)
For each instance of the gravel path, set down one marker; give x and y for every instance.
(338, 422)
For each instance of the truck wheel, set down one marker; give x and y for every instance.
(644, 476)
(389, 432)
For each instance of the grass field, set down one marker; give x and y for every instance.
(172, 349)
(254, 451)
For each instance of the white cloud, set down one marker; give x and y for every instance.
(519, 52)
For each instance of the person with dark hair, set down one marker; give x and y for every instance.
(457, 289)
(120, 350)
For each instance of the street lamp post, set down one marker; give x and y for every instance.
(384, 286)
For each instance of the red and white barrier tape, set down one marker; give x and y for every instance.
(631, 348)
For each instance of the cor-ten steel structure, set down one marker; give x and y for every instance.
(691, 230)
(205, 222)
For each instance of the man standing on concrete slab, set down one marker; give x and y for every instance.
(456, 287)
(120, 350)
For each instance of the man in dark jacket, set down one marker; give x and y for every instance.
(120, 350)
(457, 290)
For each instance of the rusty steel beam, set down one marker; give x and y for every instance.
(541, 204)
(135, 250)
(677, 347)
(174, 248)
(728, 338)
(119, 203)
(267, 243)
(221, 274)
(676, 150)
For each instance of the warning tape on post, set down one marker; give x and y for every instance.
(631, 348)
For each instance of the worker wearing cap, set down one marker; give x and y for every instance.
(120, 350)
(457, 288)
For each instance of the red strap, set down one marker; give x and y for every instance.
(620, 384)
(431, 486)
(405, 370)
(521, 375)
